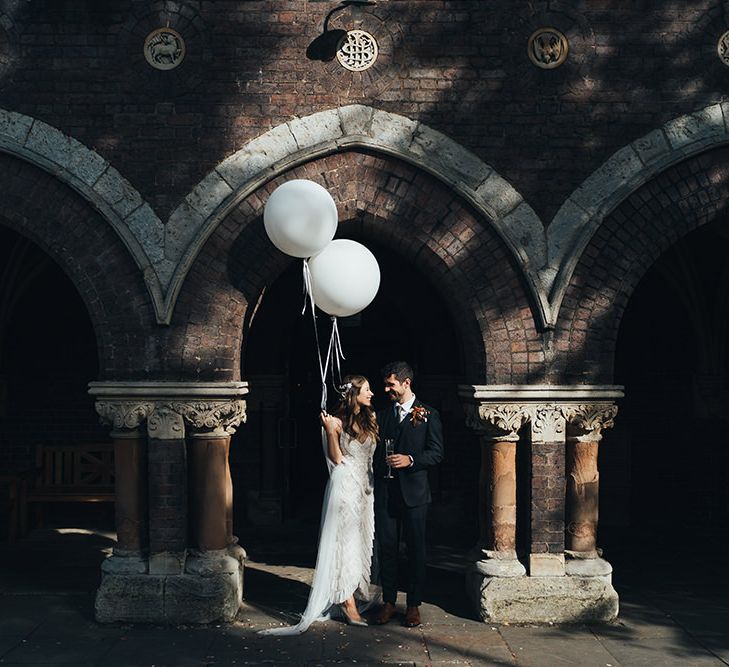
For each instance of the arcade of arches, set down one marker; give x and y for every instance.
(213, 417)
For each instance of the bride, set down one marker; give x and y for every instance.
(347, 527)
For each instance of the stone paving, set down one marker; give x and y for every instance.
(46, 618)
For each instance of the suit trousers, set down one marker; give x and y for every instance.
(392, 516)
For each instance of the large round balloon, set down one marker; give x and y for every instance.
(345, 278)
(300, 218)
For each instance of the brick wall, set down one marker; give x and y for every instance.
(460, 67)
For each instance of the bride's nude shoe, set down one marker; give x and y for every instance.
(352, 621)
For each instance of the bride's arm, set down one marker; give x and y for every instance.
(333, 428)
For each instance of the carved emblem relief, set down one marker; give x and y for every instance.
(722, 48)
(371, 53)
(548, 48)
(164, 48)
(357, 51)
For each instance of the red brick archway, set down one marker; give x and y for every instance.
(43, 209)
(654, 217)
(395, 204)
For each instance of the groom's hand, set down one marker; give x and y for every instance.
(398, 460)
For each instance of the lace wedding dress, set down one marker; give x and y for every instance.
(346, 536)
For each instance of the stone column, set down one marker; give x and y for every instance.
(130, 484)
(495, 557)
(185, 577)
(213, 554)
(498, 427)
(584, 432)
(556, 589)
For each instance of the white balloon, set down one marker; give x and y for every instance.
(300, 218)
(345, 278)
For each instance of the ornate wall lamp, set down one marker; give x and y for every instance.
(356, 50)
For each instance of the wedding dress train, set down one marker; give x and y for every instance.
(346, 536)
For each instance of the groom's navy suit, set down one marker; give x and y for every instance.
(404, 500)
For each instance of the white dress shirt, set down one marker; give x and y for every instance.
(401, 410)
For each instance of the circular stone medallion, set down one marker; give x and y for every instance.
(548, 48)
(722, 48)
(164, 48)
(357, 51)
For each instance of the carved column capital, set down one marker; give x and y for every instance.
(585, 422)
(165, 423)
(211, 418)
(209, 408)
(497, 421)
(547, 423)
(124, 416)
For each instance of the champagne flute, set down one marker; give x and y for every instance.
(389, 449)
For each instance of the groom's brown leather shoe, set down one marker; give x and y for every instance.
(412, 617)
(386, 614)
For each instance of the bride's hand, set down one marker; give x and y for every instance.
(329, 423)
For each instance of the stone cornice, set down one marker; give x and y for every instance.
(540, 393)
(161, 391)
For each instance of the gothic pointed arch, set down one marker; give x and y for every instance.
(302, 140)
(580, 218)
(657, 215)
(386, 201)
(86, 172)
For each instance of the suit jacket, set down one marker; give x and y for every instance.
(421, 440)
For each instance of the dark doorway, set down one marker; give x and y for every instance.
(665, 467)
(47, 357)
(408, 319)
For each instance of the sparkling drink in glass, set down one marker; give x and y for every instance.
(389, 449)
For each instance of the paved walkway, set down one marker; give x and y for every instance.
(46, 618)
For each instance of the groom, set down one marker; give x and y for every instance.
(402, 502)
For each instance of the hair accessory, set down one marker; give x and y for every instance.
(344, 388)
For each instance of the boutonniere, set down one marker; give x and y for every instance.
(418, 414)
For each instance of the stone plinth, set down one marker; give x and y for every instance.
(210, 589)
(566, 599)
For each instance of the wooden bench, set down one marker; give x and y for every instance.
(68, 474)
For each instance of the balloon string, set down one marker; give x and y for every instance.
(335, 354)
(309, 298)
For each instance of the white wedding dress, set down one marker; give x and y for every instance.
(346, 535)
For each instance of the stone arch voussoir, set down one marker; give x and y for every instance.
(630, 239)
(100, 184)
(582, 214)
(305, 139)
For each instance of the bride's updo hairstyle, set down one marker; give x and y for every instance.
(364, 419)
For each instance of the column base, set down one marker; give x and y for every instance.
(522, 599)
(210, 589)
